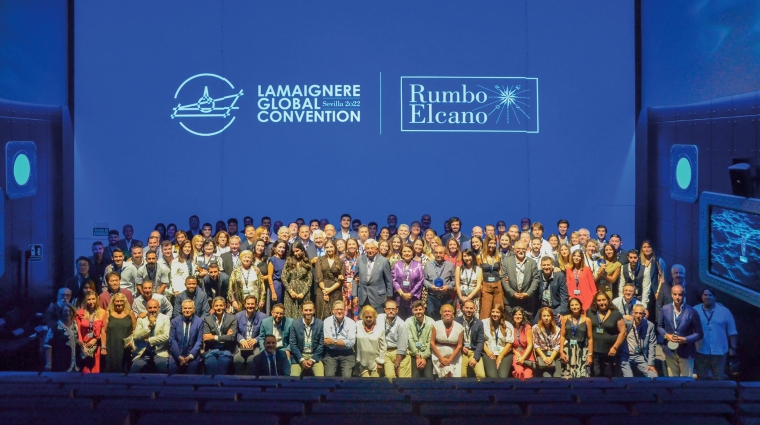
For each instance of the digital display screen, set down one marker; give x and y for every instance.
(735, 246)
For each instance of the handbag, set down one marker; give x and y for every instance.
(129, 343)
(541, 363)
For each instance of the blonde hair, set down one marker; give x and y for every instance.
(197, 238)
(368, 308)
(119, 296)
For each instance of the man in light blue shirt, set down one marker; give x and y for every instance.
(720, 337)
(340, 338)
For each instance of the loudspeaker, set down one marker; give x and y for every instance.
(683, 173)
(20, 169)
(742, 179)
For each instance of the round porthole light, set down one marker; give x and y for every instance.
(683, 173)
(22, 169)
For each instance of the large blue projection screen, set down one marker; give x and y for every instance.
(491, 111)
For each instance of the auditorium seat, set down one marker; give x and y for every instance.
(250, 406)
(287, 395)
(453, 409)
(382, 419)
(578, 410)
(32, 390)
(66, 416)
(181, 393)
(523, 397)
(148, 405)
(419, 395)
(362, 408)
(712, 409)
(97, 392)
(469, 420)
(348, 395)
(46, 403)
(204, 418)
(683, 418)
(683, 395)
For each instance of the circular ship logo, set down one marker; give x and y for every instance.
(206, 115)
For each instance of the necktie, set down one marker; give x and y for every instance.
(370, 264)
(186, 338)
(272, 365)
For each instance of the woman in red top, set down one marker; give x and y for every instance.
(453, 253)
(580, 280)
(90, 323)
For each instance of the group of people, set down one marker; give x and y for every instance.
(399, 301)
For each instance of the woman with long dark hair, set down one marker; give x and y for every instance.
(276, 293)
(499, 336)
(329, 275)
(546, 344)
(522, 348)
(608, 335)
(576, 341)
(297, 278)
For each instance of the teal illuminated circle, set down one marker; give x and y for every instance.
(683, 173)
(21, 169)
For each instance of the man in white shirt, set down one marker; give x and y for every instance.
(720, 337)
(140, 305)
(397, 363)
(340, 338)
(126, 271)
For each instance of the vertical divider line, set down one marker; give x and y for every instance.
(381, 103)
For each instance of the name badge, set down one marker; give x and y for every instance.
(438, 282)
(637, 291)
(349, 279)
(706, 328)
(637, 351)
(548, 353)
(418, 344)
(307, 350)
(577, 292)
(90, 335)
(499, 348)
(573, 342)
(672, 345)
(599, 330)
(406, 284)
(490, 279)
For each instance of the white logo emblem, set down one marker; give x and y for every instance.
(206, 115)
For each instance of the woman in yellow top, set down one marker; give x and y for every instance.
(245, 280)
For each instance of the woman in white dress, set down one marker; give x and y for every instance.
(446, 344)
(370, 344)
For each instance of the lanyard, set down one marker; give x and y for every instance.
(709, 318)
(676, 318)
(574, 326)
(627, 307)
(406, 274)
(419, 328)
(249, 326)
(600, 317)
(467, 330)
(219, 324)
(435, 265)
(577, 274)
(468, 279)
(636, 335)
(306, 332)
(389, 328)
(338, 329)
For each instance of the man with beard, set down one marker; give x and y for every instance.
(151, 338)
(140, 305)
(249, 324)
(152, 271)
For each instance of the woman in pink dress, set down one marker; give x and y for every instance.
(90, 323)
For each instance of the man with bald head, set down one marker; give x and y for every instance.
(519, 278)
(679, 325)
(692, 292)
(151, 338)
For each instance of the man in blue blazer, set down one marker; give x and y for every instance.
(637, 352)
(680, 326)
(186, 338)
(307, 343)
(271, 362)
(375, 284)
(249, 324)
(279, 326)
(552, 290)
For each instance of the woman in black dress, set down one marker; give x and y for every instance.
(119, 324)
(329, 275)
(62, 342)
(608, 330)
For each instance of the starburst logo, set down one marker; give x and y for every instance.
(513, 99)
(469, 104)
(205, 115)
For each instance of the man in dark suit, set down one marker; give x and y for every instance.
(231, 258)
(692, 291)
(439, 291)
(680, 326)
(307, 343)
(521, 283)
(272, 362)
(373, 284)
(75, 283)
(552, 289)
(316, 249)
(216, 283)
(345, 230)
(194, 294)
(186, 337)
(279, 326)
(219, 332)
(474, 338)
(637, 352)
(249, 324)
(127, 243)
(194, 223)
